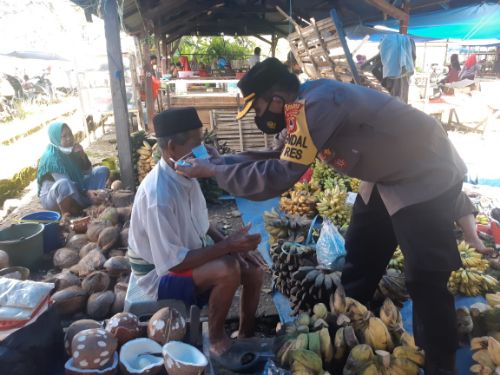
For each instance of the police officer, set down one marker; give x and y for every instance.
(411, 177)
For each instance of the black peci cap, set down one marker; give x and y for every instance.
(258, 80)
(176, 120)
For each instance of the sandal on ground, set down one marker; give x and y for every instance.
(238, 358)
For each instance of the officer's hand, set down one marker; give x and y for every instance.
(242, 242)
(199, 168)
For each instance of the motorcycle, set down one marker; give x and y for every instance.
(38, 89)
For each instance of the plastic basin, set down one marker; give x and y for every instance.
(24, 244)
(52, 237)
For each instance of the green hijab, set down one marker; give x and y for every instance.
(55, 161)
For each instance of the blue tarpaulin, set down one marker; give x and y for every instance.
(480, 21)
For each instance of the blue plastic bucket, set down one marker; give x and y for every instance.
(52, 236)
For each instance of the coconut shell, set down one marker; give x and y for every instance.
(65, 258)
(109, 215)
(108, 238)
(124, 326)
(116, 253)
(99, 304)
(118, 303)
(87, 249)
(117, 185)
(124, 214)
(124, 237)
(63, 280)
(70, 300)
(77, 241)
(94, 229)
(120, 287)
(97, 281)
(74, 328)
(4, 259)
(167, 324)
(122, 198)
(91, 262)
(117, 266)
(93, 349)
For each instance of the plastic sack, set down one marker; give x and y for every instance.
(330, 248)
(272, 369)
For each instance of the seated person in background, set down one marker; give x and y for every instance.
(470, 68)
(453, 69)
(171, 248)
(66, 179)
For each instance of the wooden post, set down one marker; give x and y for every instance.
(137, 91)
(118, 94)
(159, 98)
(403, 23)
(165, 57)
(150, 109)
(274, 43)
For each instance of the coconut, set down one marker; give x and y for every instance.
(97, 281)
(74, 328)
(134, 357)
(117, 266)
(70, 300)
(122, 198)
(63, 280)
(109, 215)
(93, 348)
(116, 185)
(80, 225)
(124, 326)
(65, 258)
(124, 237)
(167, 324)
(124, 213)
(94, 229)
(70, 369)
(183, 359)
(77, 241)
(120, 294)
(87, 249)
(4, 259)
(91, 262)
(116, 253)
(99, 304)
(108, 238)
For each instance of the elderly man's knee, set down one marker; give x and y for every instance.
(253, 275)
(229, 268)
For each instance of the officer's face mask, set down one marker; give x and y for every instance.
(270, 122)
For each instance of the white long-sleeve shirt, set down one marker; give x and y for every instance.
(169, 218)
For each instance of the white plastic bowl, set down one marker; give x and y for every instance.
(132, 363)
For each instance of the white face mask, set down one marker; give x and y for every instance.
(65, 150)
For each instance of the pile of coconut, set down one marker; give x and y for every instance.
(132, 346)
(92, 271)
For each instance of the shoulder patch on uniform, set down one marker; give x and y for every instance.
(299, 147)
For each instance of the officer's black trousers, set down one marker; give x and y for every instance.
(426, 237)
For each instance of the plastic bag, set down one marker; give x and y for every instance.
(272, 369)
(330, 248)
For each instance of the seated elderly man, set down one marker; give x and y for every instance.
(170, 240)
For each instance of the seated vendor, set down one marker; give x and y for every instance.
(66, 179)
(171, 244)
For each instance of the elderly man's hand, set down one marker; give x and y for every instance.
(242, 242)
(200, 168)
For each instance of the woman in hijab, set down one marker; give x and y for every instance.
(65, 176)
(470, 68)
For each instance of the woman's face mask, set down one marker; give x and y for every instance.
(65, 150)
(270, 122)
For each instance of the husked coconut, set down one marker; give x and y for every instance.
(122, 198)
(108, 238)
(124, 326)
(116, 185)
(97, 281)
(4, 259)
(70, 300)
(65, 257)
(124, 213)
(74, 328)
(167, 324)
(124, 237)
(117, 266)
(99, 304)
(116, 253)
(120, 293)
(91, 262)
(87, 249)
(77, 241)
(109, 215)
(94, 229)
(63, 280)
(93, 348)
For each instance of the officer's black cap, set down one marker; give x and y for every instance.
(258, 80)
(176, 120)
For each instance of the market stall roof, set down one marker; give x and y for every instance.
(176, 18)
(39, 55)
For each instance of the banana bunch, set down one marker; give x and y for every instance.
(328, 178)
(146, 161)
(482, 219)
(493, 299)
(393, 286)
(332, 205)
(397, 260)
(471, 259)
(301, 199)
(486, 354)
(281, 226)
(471, 282)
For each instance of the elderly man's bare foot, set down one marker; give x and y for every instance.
(220, 346)
(478, 245)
